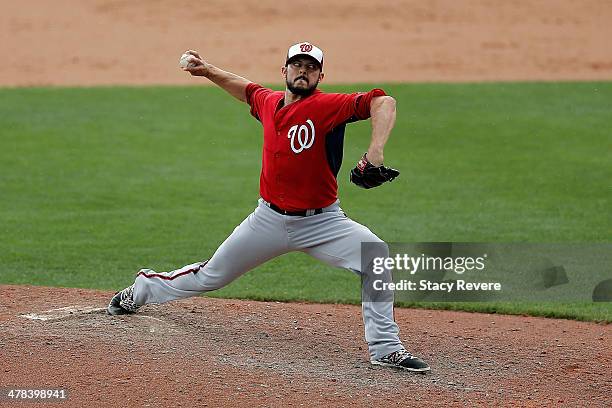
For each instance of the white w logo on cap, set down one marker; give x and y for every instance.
(305, 48)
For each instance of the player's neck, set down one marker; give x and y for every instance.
(290, 97)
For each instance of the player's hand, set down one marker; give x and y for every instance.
(197, 66)
(366, 175)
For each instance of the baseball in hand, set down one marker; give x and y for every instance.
(184, 61)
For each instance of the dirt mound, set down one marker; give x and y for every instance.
(210, 352)
(67, 42)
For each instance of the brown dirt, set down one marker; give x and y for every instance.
(68, 42)
(210, 352)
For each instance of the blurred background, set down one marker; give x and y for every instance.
(92, 42)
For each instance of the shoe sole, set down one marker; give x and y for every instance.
(415, 370)
(114, 310)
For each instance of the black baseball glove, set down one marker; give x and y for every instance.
(366, 175)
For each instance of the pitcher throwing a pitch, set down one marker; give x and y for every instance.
(303, 131)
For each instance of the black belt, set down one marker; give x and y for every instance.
(301, 213)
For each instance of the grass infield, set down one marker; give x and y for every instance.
(96, 183)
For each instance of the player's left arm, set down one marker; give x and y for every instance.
(382, 112)
(369, 171)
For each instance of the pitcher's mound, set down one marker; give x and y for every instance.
(211, 352)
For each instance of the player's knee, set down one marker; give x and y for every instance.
(375, 249)
(211, 278)
(372, 253)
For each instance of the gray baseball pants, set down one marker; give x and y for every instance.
(331, 237)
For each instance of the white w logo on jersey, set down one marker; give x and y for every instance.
(302, 135)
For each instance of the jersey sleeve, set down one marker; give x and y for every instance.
(355, 106)
(255, 97)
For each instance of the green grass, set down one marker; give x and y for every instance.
(97, 183)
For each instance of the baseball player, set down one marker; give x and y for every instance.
(303, 131)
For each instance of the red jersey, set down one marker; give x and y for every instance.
(303, 144)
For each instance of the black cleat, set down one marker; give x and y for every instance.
(123, 302)
(404, 360)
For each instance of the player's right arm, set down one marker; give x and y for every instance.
(233, 84)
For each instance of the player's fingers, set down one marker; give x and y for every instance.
(195, 59)
(195, 68)
(194, 53)
(194, 62)
(191, 62)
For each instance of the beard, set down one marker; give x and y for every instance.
(301, 91)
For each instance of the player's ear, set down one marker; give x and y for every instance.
(284, 72)
(321, 75)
